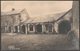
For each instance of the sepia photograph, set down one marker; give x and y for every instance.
(39, 25)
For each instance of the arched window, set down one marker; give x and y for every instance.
(39, 28)
(16, 29)
(23, 28)
(31, 27)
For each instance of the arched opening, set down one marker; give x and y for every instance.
(9, 29)
(16, 29)
(31, 27)
(23, 29)
(38, 28)
(48, 27)
(64, 27)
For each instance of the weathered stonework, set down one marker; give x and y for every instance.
(76, 17)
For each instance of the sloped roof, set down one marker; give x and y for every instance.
(66, 13)
(47, 18)
(11, 12)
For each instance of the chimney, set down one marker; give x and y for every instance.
(13, 9)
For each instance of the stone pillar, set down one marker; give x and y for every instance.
(75, 10)
(74, 34)
(5, 29)
(43, 28)
(18, 29)
(26, 29)
(14, 29)
(53, 28)
(11, 30)
(56, 27)
(34, 28)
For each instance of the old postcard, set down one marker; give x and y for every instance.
(39, 25)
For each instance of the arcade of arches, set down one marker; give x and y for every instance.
(63, 28)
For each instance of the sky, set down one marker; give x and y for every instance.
(37, 8)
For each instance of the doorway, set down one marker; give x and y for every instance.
(16, 29)
(48, 27)
(64, 27)
(23, 28)
(9, 29)
(39, 28)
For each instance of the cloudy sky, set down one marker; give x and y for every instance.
(37, 8)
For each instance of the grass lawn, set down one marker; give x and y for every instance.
(35, 42)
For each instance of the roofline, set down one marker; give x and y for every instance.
(10, 14)
(35, 23)
(13, 14)
(64, 15)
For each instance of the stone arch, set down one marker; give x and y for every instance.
(23, 28)
(16, 29)
(31, 27)
(38, 28)
(64, 26)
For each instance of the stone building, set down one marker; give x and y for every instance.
(10, 21)
(64, 23)
(50, 24)
(20, 22)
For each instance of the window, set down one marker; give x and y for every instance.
(31, 27)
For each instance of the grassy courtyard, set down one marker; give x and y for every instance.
(35, 42)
